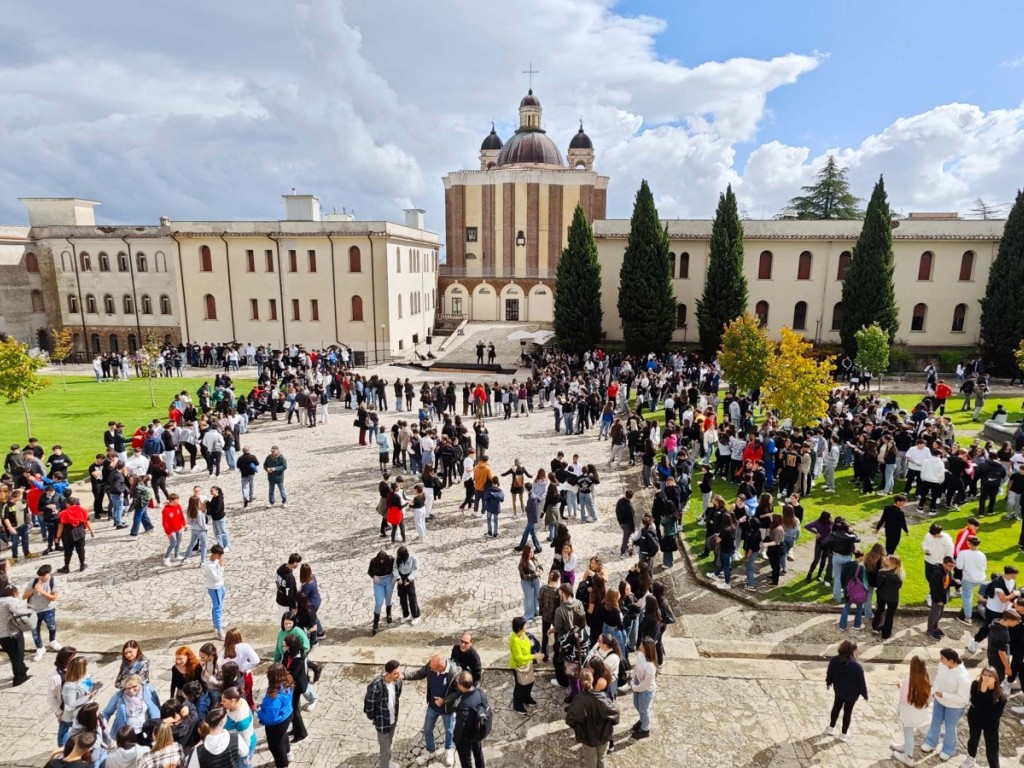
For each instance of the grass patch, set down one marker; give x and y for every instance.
(76, 419)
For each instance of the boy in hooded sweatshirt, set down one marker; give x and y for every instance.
(240, 721)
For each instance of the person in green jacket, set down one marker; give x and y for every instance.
(288, 627)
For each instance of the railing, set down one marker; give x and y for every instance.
(529, 273)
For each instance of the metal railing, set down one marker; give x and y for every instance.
(533, 273)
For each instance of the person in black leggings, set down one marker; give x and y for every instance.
(987, 704)
(846, 677)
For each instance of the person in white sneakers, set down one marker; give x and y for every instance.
(845, 676)
(937, 546)
(213, 572)
(915, 696)
(41, 594)
(951, 690)
(442, 697)
(1000, 594)
(987, 704)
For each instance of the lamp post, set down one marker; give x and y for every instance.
(383, 341)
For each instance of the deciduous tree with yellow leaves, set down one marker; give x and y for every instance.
(18, 375)
(797, 385)
(746, 349)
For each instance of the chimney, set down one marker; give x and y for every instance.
(414, 217)
(301, 207)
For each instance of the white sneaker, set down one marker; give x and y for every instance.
(900, 757)
(166, 561)
(844, 737)
(40, 653)
(220, 634)
(972, 647)
(416, 621)
(554, 682)
(312, 705)
(1017, 710)
(55, 646)
(425, 758)
(926, 748)
(968, 762)
(393, 764)
(723, 585)
(831, 730)
(944, 757)
(1007, 687)
(226, 550)
(449, 757)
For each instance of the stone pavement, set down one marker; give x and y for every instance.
(743, 685)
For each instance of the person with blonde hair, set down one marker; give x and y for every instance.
(165, 752)
(915, 696)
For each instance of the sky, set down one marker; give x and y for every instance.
(199, 110)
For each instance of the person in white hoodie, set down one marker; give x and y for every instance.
(937, 545)
(933, 474)
(951, 690)
(216, 740)
(915, 695)
(127, 752)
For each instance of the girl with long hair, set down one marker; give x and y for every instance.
(237, 650)
(275, 713)
(198, 524)
(217, 745)
(775, 546)
(986, 710)
(89, 720)
(873, 563)
(529, 577)
(914, 709)
(643, 684)
(133, 662)
(165, 750)
(186, 667)
(846, 676)
(888, 583)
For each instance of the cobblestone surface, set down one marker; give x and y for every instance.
(743, 685)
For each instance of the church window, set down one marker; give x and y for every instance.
(764, 266)
(803, 269)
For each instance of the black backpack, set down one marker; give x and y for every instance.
(484, 718)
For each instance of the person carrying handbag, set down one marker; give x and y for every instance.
(15, 619)
(855, 588)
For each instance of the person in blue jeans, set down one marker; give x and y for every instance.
(41, 594)
(529, 576)
(532, 518)
(382, 571)
(140, 507)
(213, 572)
(951, 691)
(842, 542)
(751, 533)
(442, 698)
(854, 573)
(275, 464)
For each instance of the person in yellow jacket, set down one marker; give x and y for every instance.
(521, 657)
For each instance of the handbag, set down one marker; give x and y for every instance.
(526, 675)
(21, 618)
(856, 592)
(572, 669)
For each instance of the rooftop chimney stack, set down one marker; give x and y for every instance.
(414, 217)
(301, 207)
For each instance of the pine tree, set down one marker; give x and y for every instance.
(647, 304)
(725, 287)
(578, 289)
(1002, 309)
(829, 197)
(868, 293)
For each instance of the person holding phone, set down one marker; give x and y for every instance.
(78, 690)
(41, 594)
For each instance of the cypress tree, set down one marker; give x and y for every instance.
(868, 293)
(578, 289)
(725, 287)
(647, 304)
(1002, 309)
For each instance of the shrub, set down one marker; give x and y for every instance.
(949, 359)
(902, 360)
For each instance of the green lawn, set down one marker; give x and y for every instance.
(77, 418)
(999, 537)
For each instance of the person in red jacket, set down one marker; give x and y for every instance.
(72, 525)
(174, 523)
(942, 393)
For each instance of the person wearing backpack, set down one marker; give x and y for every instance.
(855, 587)
(40, 594)
(473, 722)
(15, 620)
(592, 717)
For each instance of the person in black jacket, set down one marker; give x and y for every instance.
(592, 717)
(286, 588)
(625, 516)
(294, 661)
(465, 656)
(987, 704)
(887, 590)
(248, 465)
(467, 732)
(894, 520)
(939, 582)
(845, 676)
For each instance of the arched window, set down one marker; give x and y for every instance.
(398, 262)
(147, 304)
(90, 304)
(844, 264)
(959, 317)
(141, 262)
(800, 316)
(837, 316)
(84, 262)
(65, 259)
(72, 304)
(210, 303)
(761, 310)
(205, 259)
(94, 342)
(355, 259)
(684, 266)
(104, 262)
(764, 266)
(165, 305)
(919, 316)
(108, 304)
(680, 315)
(803, 268)
(133, 343)
(37, 301)
(924, 266)
(357, 309)
(129, 305)
(31, 262)
(122, 262)
(399, 305)
(76, 342)
(671, 264)
(160, 261)
(967, 266)
(115, 343)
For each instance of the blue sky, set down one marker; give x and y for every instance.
(369, 104)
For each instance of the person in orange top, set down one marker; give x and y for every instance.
(481, 474)
(72, 525)
(139, 437)
(173, 519)
(942, 393)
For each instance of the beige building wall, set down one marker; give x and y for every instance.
(941, 294)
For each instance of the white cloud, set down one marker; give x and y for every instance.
(230, 104)
(1017, 62)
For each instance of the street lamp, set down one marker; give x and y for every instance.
(520, 239)
(383, 341)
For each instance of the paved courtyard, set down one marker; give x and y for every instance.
(742, 686)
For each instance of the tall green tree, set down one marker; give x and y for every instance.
(19, 377)
(745, 353)
(578, 289)
(873, 351)
(1002, 309)
(868, 293)
(725, 287)
(647, 304)
(829, 197)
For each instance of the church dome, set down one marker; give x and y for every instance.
(581, 140)
(529, 100)
(530, 147)
(493, 141)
